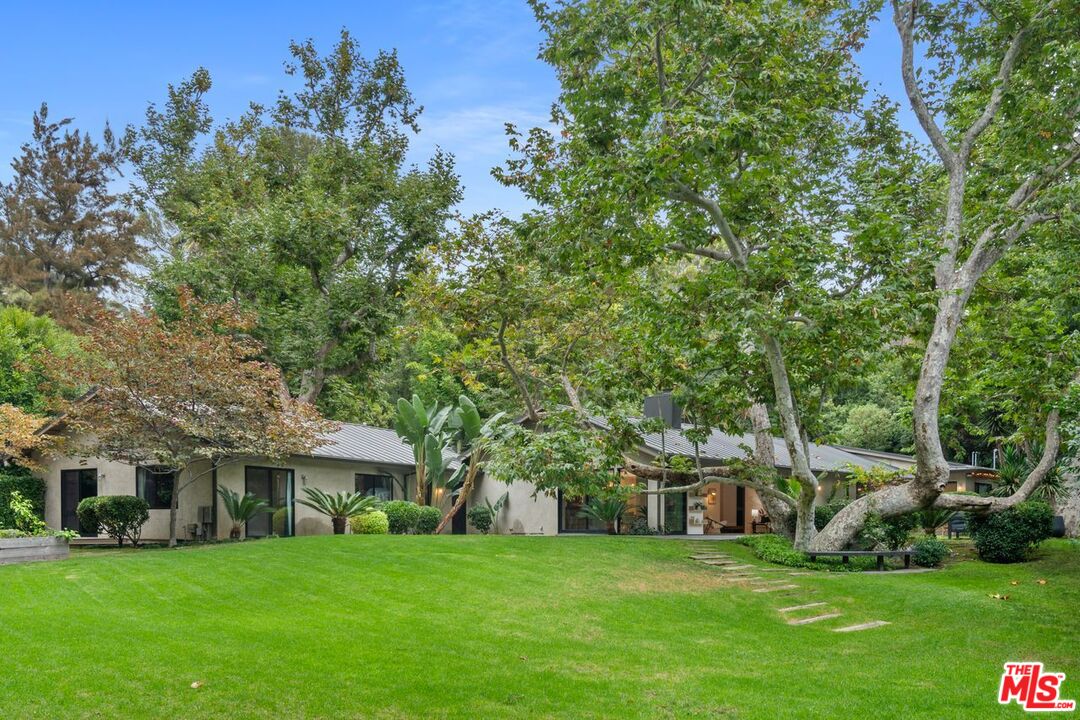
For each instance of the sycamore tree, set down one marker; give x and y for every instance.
(187, 394)
(716, 152)
(738, 145)
(65, 235)
(305, 213)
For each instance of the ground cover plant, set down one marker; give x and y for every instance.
(592, 627)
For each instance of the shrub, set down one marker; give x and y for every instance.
(480, 517)
(88, 517)
(371, 523)
(16, 479)
(892, 532)
(26, 520)
(775, 549)
(824, 513)
(9, 533)
(402, 516)
(428, 519)
(118, 516)
(1008, 536)
(639, 525)
(929, 552)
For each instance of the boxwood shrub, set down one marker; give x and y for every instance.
(428, 520)
(17, 479)
(1010, 535)
(929, 552)
(371, 523)
(402, 516)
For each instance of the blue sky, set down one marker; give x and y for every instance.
(471, 63)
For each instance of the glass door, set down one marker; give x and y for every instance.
(674, 514)
(275, 485)
(75, 486)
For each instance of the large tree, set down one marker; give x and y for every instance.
(305, 213)
(65, 235)
(186, 393)
(741, 138)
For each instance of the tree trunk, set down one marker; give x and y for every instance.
(1068, 504)
(466, 490)
(781, 517)
(174, 504)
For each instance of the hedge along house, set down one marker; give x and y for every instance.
(355, 458)
(715, 509)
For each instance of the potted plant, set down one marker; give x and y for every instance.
(241, 509)
(340, 507)
(607, 510)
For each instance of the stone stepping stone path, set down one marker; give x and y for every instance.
(863, 626)
(744, 574)
(807, 606)
(774, 588)
(814, 618)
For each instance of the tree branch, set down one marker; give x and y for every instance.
(706, 252)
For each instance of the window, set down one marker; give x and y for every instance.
(572, 520)
(378, 486)
(155, 486)
(983, 488)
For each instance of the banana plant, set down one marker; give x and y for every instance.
(424, 429)
(473, 436)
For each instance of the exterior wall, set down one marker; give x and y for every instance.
(522, 514)
(116, 478)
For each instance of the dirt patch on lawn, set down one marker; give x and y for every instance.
(672, 581)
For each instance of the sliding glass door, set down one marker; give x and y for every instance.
(275, 485)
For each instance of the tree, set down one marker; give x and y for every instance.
(187, 394)
(64, 235)
(26, 340)
(20, 438)
(425, 429)
(798, 229)
(306, 213)
(474, 437)
(724, 153)
(1003, 128)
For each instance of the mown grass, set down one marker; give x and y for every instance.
(512, 627)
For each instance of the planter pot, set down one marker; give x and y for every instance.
(339, 525)
(32, 549)
(234, 534)
(1058, 530)
(611, 529)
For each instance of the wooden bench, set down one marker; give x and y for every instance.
(880, 554)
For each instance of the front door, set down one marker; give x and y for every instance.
(275, 485)
(75, 486)
(457, 524)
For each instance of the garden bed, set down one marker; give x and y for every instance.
(32, 549)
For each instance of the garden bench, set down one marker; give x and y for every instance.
(880, 554)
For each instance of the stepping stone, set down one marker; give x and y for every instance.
(808, 620)
(774, 588)
(807, 606)
(710, 557)
(718, 562)
(864, 626)
(797, 574)
(743, 578)
(729, 568)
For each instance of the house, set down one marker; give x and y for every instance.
(962, 477)
(357, 458)
(375, 461)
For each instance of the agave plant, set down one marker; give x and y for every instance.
(340, 507)
(930, 520)
(241, 509)
(607, 510)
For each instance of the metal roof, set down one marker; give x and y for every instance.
(365, 443)
(721, 446)
(906, 458)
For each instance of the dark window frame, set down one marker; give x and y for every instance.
(388, 480)
(144, 473)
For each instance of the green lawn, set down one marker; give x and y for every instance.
(515, 627)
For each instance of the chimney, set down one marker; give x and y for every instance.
(662, 405)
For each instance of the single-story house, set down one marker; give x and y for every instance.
(375, 461)
(962, 477)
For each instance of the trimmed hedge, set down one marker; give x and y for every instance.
(1010, 535)
(929, 552)
(402, 516)
(17, 479)
(428, 520)
(371, 523)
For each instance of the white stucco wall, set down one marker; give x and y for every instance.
(522, 513)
